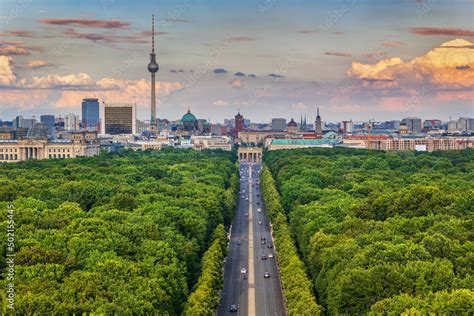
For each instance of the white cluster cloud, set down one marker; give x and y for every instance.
(7, 77)
(56, 81)
(450, 65)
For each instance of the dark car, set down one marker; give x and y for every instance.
(233, 308)
(266, 275)
(269, 246)
(262, 237)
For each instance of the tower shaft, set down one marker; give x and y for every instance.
(153, 100)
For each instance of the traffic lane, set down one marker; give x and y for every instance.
(274, 299)
(234, 292)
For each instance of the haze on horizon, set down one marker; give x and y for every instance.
(269, 58)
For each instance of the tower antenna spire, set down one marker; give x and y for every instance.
(153, 33)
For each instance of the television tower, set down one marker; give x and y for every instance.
(153, 68)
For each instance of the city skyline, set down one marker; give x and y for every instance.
(353, 60)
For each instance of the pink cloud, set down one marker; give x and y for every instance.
(35, 64)
(338, 54)
(448, 66)
(13, 50)
(392, 43)
(442, 31)
(92, 23)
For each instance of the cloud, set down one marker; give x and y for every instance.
(107, 37)
(236, 83)
(439, 67)
(35, 64)
(299, 106)
(276, 76)
(13, 50)
(240, 39)
(307, 31)
(220, 71)
(239, 74)
(220, 103)
(56, 81)
(338, 54)
(392, 43)
(91, 23)
(115, 90)
(18, 33)
(7, 77)
(441, 31)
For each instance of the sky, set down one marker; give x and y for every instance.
(353, 59)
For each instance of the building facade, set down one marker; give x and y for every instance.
(90, 114)
(428, 144)
(80, 144)
(278, 124)
(119, 118)
(48, 120)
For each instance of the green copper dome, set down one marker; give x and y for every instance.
(188, 117)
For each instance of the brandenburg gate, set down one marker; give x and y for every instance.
(250, 154)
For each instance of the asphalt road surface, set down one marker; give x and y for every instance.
(251, 293)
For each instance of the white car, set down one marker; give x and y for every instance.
(259, 223)
(259, 210)
(243, 270)
(270, 255)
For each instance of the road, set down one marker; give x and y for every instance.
(253, 295)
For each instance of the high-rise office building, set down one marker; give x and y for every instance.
(347, 126)
(20, 122)
(71, 122)
(119, 118)
(90, 114)
(278, 124)
(413, 125)
(466, 124)
(48, 120)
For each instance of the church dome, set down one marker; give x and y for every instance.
(292, 123)
(188, 117)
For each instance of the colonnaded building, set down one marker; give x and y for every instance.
(39, 145)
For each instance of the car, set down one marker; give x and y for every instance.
(266, 275)
(259, 210)
(243, 271)
(239, 242)
(258, 203)
(270, 255)
(233, 308)
(247, 198)
(263, 242)
(244, 277)
(269, 246)
(262, 237)
(264, 257)
(259, 223)
(246, 214)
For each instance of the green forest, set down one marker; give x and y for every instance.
(129, 233)
(381, 233)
